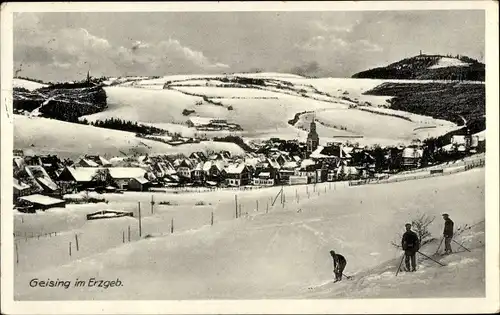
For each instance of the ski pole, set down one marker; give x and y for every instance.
(437, 262)
(401, 263)
(347, 277)
(437, 250)
(461, 245)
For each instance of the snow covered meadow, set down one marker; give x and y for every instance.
(278, 251)
(36, 135)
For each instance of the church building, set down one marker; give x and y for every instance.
(312, 139)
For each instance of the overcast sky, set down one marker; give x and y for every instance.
(63, 46)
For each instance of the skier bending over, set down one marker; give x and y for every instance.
(339, 264)
(411, 245)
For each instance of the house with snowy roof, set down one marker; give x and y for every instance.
(84, 177)
(42, 202)
(197, 121)
(412, 155)
(198, 156)
(161, 167)
(263, 178)
(42, 178)
(51, 163)
(120, 161)
(20, 189)
(345, 172)
(214, 171)
(310, 169)
(287, 170)
(183, 168)
(92, 161)
(18, 163)
(237, 175)
(121, 176)
(92, 177)
(218, 157)
(138, 184)
(197, 174)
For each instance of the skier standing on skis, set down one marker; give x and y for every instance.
(447, 233)
(339, 263)
(411, 245)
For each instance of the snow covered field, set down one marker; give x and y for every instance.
(27, 84)
(445, 62)
(279, 254)
(49, 136)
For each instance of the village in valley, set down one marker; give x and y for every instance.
(41, 182)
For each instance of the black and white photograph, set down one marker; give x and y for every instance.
(238, 152)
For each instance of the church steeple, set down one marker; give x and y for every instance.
(312, 137)
(312, 128)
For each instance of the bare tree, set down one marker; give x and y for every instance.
(420, 225)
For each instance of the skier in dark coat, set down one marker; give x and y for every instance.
(447, 233)
(411, 245)
(339, 263)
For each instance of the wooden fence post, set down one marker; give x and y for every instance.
(212, 219)
(69, 249)
(17, 254)
(76, 242)
(172, 226)
(152, 204)
(140, 223)
(236, 205)
(257, 202)
(123, 236)
(128, 237)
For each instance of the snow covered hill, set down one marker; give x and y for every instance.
(429, 67)
(261, 103)
(27, 84)
(37, 135)
(280, 254)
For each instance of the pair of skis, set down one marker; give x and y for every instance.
(442, 239)
(437, 250)
(330, 281)
(402, 258)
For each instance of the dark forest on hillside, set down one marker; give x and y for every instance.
(448, 101)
